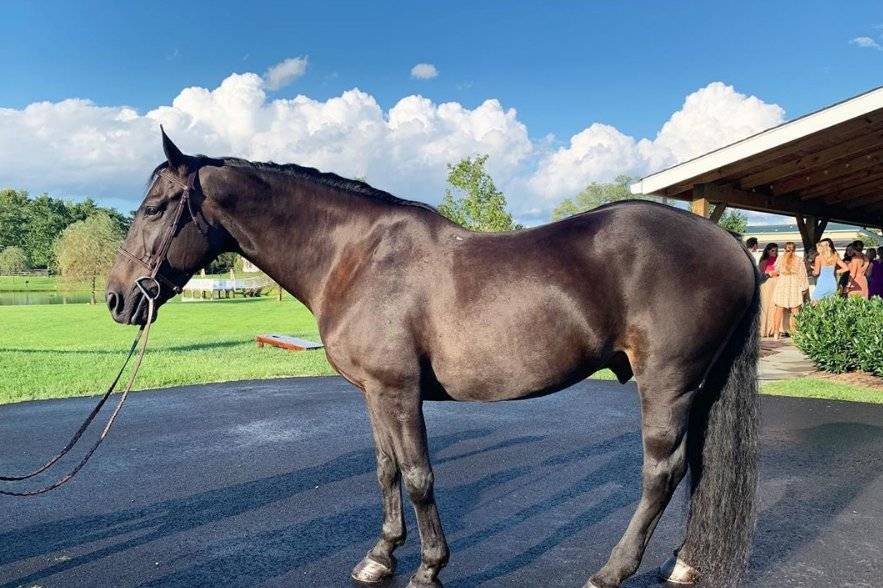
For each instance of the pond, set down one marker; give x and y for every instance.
(46, 297)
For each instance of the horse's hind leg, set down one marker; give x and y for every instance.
(380, 563)
(664, 422)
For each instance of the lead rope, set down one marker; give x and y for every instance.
(144, 332)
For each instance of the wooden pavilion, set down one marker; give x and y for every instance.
(825, 166)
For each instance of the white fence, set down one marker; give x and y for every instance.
(197, 288)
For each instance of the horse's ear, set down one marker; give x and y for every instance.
(174, 156)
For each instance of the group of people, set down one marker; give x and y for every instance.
(785, 287)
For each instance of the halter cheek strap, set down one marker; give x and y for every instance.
(154, 261)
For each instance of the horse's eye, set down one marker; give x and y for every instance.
(151, 210)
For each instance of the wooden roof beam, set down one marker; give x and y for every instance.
(820, 158)
(839, 170)
(865, 201)
(787, 204)
(840, 185)
(856, 193)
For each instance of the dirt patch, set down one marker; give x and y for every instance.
(853, 378)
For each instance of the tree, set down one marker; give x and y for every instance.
(14, 217)
(48, 217)
(597, 194)
(86, 249)
(734, 221)
(475, 203)
(870, 238)
(34, 224)
(78, 211)
(13, 260)
(224, 263)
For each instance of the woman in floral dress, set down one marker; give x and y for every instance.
(790, 287)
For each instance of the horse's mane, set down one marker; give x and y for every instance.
(307, 173)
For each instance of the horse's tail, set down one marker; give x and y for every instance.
(722, 451)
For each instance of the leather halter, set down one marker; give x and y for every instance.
(153, 262)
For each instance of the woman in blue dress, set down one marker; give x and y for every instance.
(826, 265)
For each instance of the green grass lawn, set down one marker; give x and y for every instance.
(28, 283)
(820, 388)
(53, 351)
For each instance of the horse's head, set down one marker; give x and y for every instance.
(171, 237)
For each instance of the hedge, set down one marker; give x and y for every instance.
(843, 334)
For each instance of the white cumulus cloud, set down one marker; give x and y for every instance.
(78, 148)
(866, 43)
(424, 71)
(285, 72)
(711, 117)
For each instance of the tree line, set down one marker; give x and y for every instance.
(32, 225)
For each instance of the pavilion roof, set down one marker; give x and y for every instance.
(827, 164)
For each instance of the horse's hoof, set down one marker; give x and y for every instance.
(677, 571)
(433, 584)
(369, 571)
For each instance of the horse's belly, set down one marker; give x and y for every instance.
(499, 369)
(503, 346)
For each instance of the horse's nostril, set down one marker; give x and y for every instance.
(113, 301)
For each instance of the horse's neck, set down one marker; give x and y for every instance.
(296, 231)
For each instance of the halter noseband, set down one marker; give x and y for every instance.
(153, 262)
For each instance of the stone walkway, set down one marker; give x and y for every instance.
(782, 360)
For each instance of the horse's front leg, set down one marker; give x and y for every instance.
(380, 563)
(401, 413)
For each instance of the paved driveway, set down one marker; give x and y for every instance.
(272, 483)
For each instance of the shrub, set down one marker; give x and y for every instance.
(843, 334)
(13, 260)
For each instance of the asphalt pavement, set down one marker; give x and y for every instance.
(271, 483)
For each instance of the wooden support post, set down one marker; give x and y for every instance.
(718, 212)
(802, 226)
(701, 206)
(811, 229)
(704, 206)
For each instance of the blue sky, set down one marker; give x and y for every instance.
(561, 65)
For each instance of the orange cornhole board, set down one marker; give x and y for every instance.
(286, 342)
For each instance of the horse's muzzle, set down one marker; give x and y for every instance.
(129, 308)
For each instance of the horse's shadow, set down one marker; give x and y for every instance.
(613, 473)
(270, 554)
(182, 514)
(259, 558)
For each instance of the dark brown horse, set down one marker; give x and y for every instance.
(411, 307)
